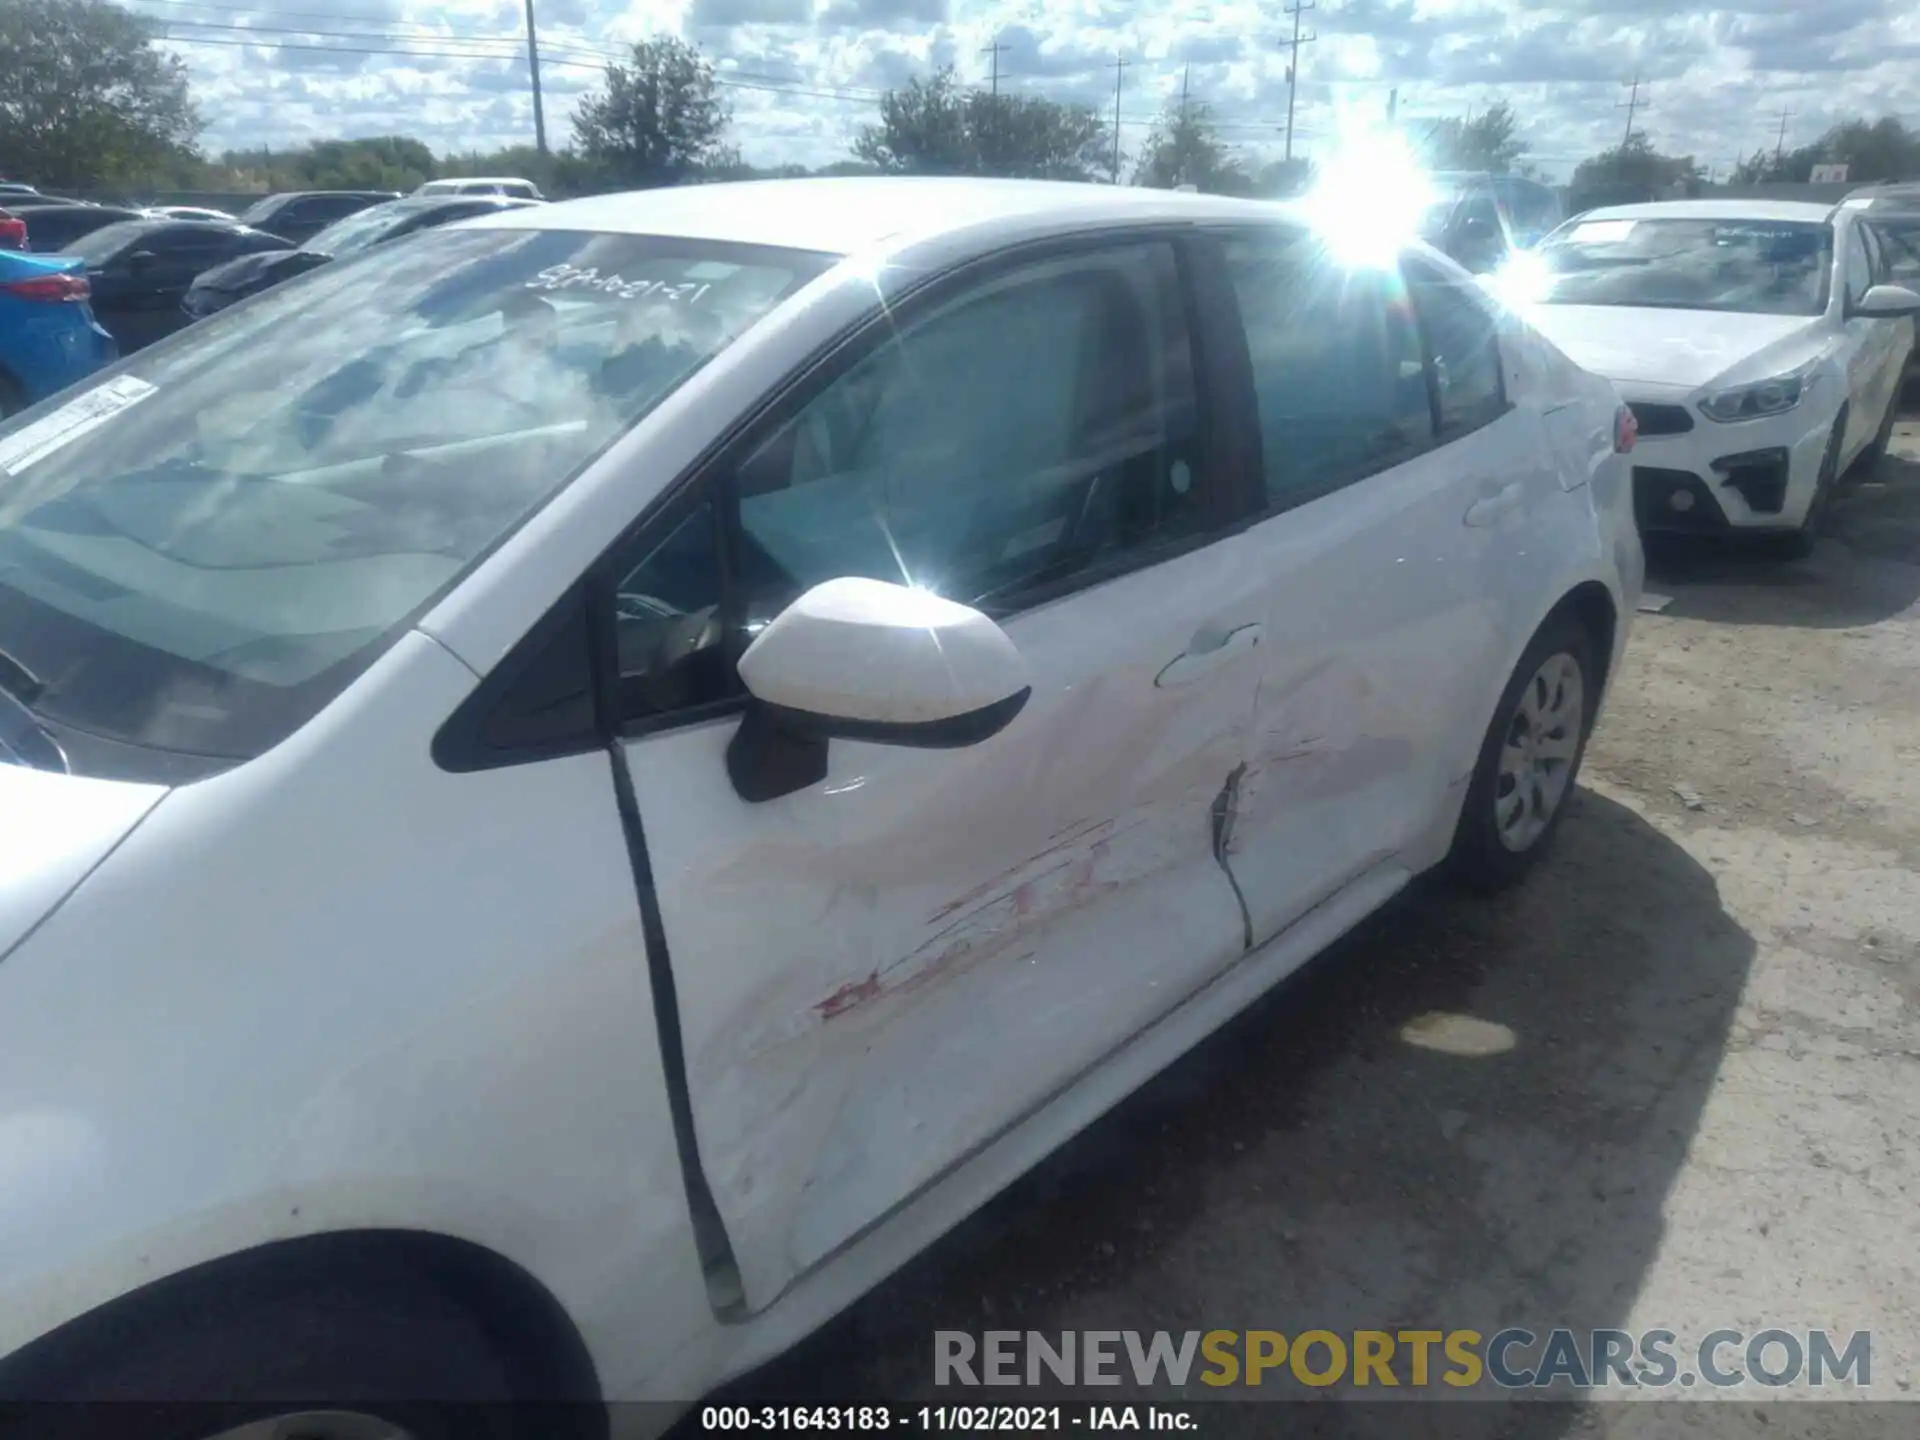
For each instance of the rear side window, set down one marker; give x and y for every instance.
(1462, 337)
(1337, 369)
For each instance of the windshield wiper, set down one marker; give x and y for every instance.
(18, 681)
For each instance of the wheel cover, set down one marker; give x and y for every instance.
(317, 1425)
(1537, 752)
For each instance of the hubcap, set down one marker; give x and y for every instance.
(317, 1425)
(1536, 761)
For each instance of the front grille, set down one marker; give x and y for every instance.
(1654, 507)
(1661, 419)
(1759, 475)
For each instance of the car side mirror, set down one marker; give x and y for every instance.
(1886, 302)
(140, 261)
(857, 659)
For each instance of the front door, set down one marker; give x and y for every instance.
(880, 973)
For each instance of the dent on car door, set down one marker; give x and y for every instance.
(1392, 473)
(882, 971)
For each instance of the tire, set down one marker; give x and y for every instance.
(1557, 680)
(358, 1354)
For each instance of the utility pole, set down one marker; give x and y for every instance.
(1296, 10)
(1632, 104)
(994, 84)
(1120, 63)
(533, 74)
(1780, 144)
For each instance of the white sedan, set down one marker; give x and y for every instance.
(1756, 340)
(583, 785)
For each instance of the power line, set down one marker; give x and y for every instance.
(1296, 10)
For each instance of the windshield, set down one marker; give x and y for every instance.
(201, 549)
(1758, 267)
(102, 244)
(356, 232)
(261, 209)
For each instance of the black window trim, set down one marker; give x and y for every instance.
(716, 467)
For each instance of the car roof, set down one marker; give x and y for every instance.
(481, 180)
(1714, 210)
(844, 215)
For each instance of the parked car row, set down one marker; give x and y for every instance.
(1762, 346)
(215, 289)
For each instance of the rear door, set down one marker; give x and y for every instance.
(880, 973)
(1395, 469)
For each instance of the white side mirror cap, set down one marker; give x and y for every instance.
(859, 659)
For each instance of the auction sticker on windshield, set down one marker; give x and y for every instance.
(72, 420)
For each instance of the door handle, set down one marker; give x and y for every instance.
(1507, 498)
(1206, 651)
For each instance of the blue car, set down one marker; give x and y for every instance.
(48, 336)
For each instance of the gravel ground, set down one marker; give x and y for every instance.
(1709, 1117)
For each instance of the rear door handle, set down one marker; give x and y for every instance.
(1504, 500)
(1207, 651)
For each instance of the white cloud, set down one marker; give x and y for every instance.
(803, 74)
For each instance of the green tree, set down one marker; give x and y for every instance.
(86, 99)
(939, 127)
(1883, 149)
(659, 121)
(1483, 142)
(1185, 148)
(1636, 165)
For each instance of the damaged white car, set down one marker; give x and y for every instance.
(581, 786)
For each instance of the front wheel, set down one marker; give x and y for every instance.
(1529, 759)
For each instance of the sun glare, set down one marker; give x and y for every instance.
(1369, 195)
(1523, 279)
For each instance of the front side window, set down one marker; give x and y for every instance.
(1760, 267)
(1463, 338)
(1859, 266)
(1337, 370)
(1901, 246)
(1035, 432)
(206, 544)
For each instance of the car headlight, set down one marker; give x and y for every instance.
(1751, 402)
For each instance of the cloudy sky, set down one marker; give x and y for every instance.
(803, 75)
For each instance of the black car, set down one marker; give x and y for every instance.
(1478, 219)
(297, 216)
(250, 274)
(140, 270)
(53, 227)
